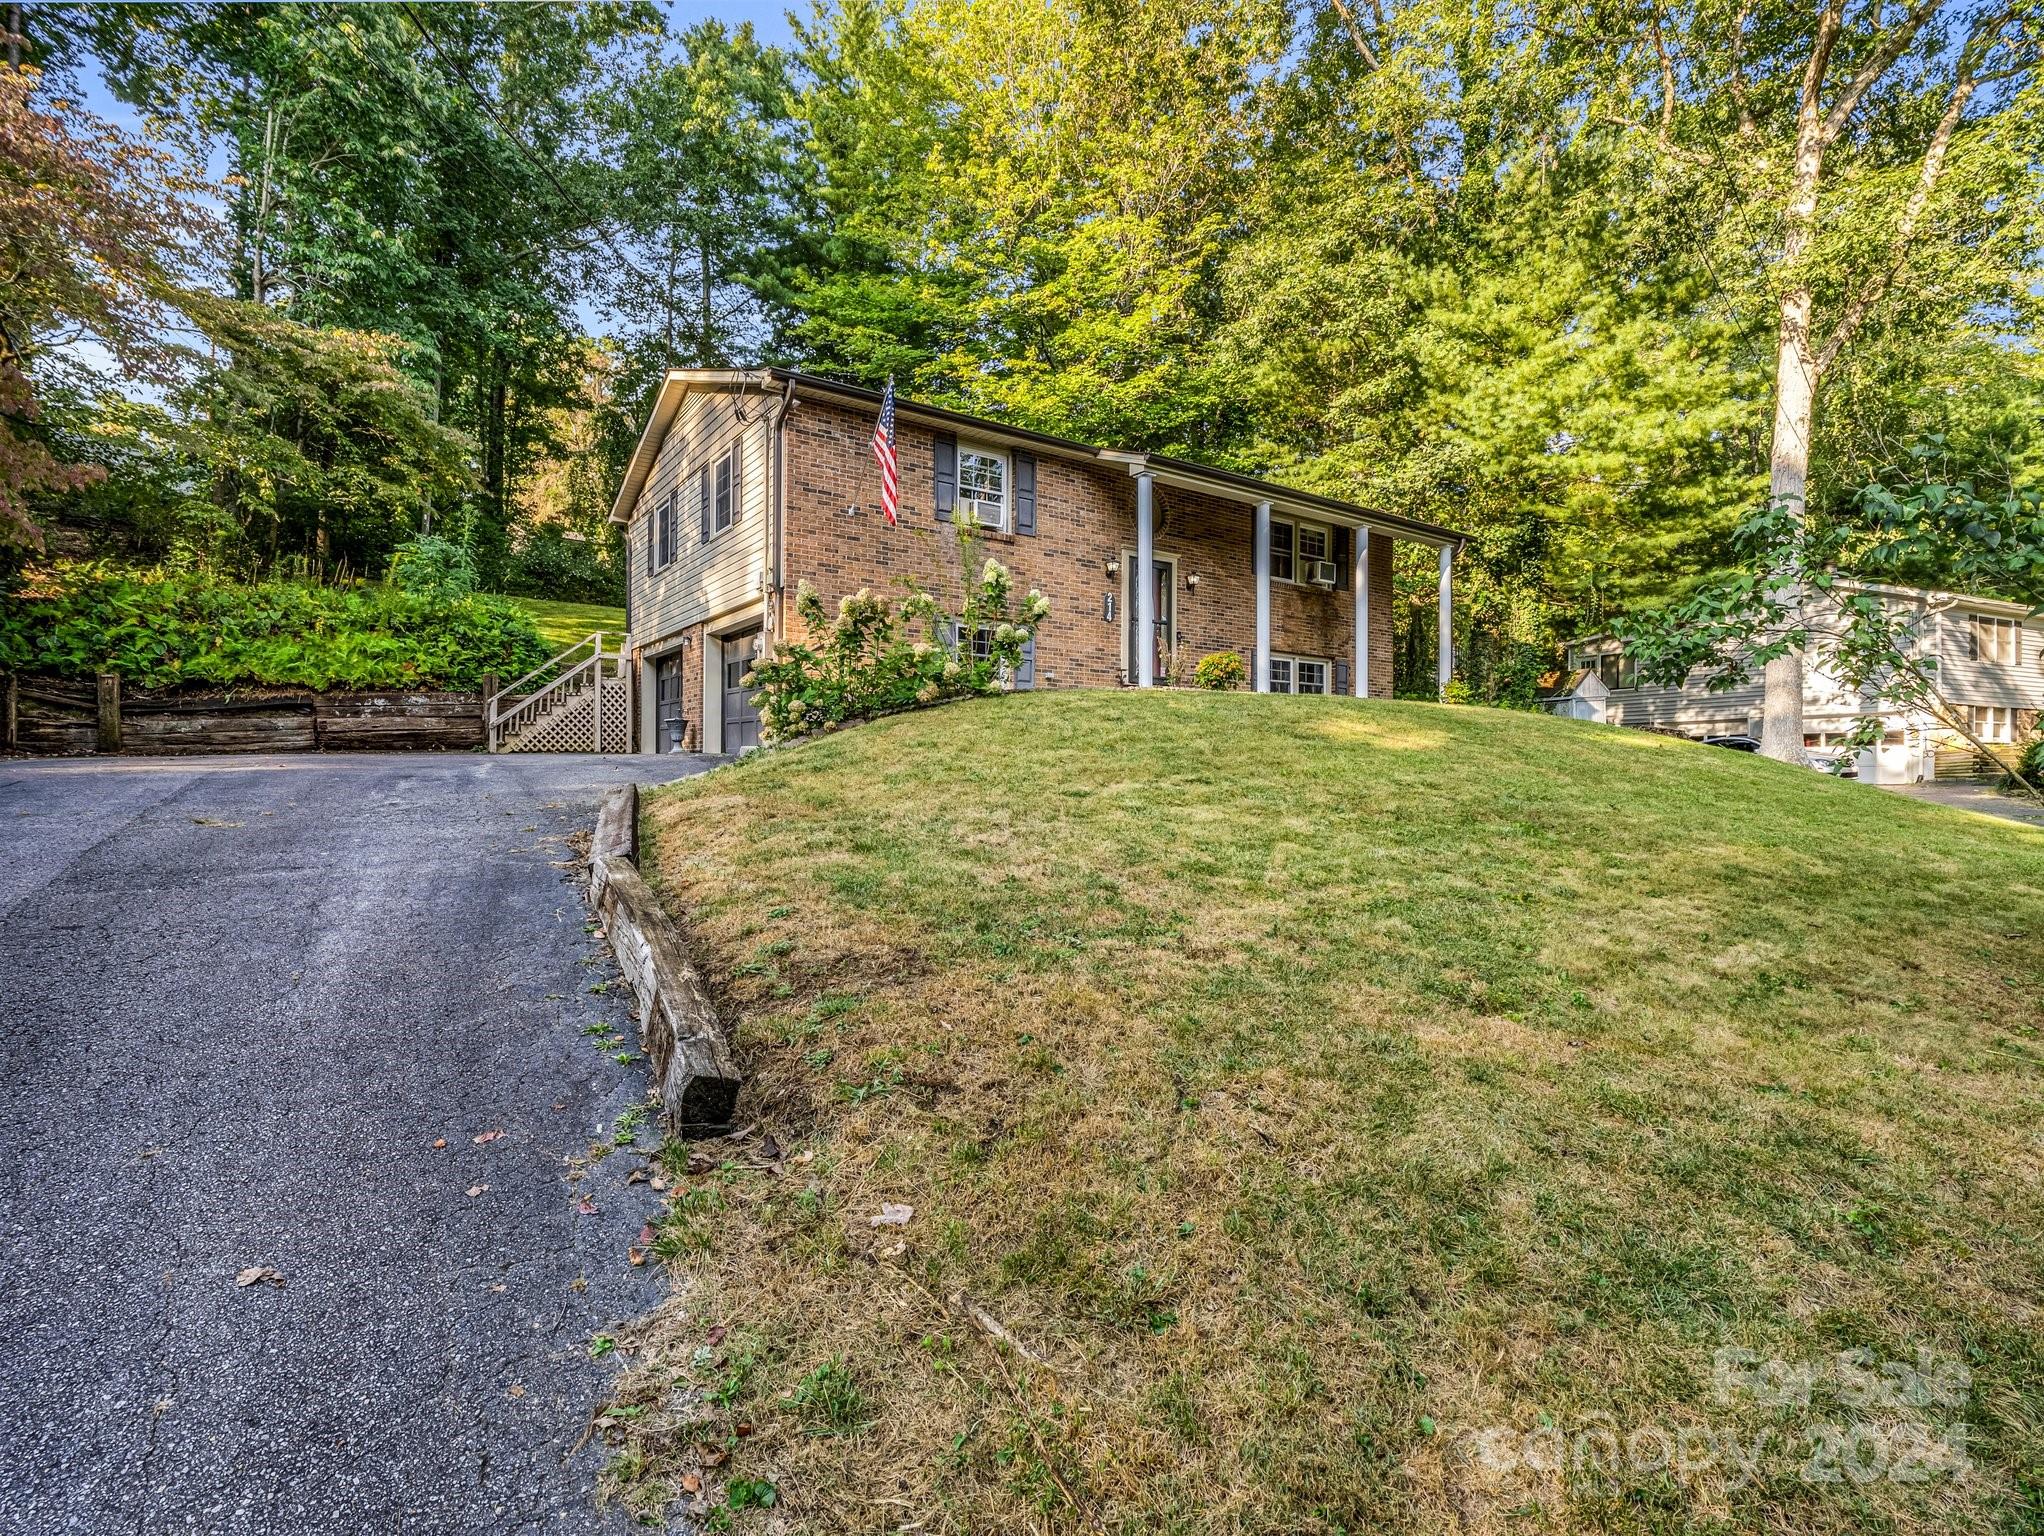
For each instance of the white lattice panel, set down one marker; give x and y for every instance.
(616, 735)
(570, 726)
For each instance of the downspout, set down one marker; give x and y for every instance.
(777, 542)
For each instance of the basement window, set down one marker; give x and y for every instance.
(1992, 723)
(1298, 674)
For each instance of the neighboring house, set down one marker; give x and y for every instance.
(1990, 666)
(746, 484)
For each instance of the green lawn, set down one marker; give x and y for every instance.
(566, 624)
(1357, 1112)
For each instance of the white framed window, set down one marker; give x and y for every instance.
(1616, 669)
(662, 533)
(724, 508)
(983, 486)
(1296, 547)
(1298, 674)
(1994, 723)
(1996, 640)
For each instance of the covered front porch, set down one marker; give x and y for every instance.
(1296, 542)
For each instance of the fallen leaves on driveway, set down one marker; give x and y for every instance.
(212, 821)
(259, 1274)
(487, 1137)
(477, 1189)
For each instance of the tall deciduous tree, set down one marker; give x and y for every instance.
(91, 229)
(1852, 246)
(705, 172)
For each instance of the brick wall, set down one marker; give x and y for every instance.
(1085, 517)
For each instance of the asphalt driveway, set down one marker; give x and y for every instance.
(240, 999)
(1967, 795)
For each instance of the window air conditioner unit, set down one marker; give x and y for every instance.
(1321, 573)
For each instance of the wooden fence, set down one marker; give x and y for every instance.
(67, 715)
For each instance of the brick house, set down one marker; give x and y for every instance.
(747, 483)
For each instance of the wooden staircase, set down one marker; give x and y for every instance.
(580, 701)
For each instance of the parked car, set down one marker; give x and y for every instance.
(1836, 761)
(1733, 743)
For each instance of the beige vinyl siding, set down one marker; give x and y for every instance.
(2017, 686)
(703, 580)
(1691, 709)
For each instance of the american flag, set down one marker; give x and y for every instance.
(883, 451)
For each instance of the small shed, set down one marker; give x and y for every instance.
(1583, 697)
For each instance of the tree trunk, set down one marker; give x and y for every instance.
(704, 357)
(1795, 409)
(14, 36)
(258, 278)
(1795, 398)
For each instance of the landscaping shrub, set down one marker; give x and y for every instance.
(433, 567)
(868, 660)
(545, 562)
(158, 629)
(1220, 671)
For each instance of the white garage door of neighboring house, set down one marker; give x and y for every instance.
(1896, 759)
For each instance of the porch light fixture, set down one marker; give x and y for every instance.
(1192, 582)
(1112, 566)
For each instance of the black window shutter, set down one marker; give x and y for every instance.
(652, 544)
(1341, 684)
(1025, 492)
(703, 499)
(1025, 675)
(737, 490)
(1344, 544)
(945, 452)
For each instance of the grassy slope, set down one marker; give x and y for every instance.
(566, 624)
(1309, 1084)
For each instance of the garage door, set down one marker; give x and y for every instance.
(741, 717)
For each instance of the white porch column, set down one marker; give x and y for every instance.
(1360, 579)
(1146, 588)
(1261, 681)
(1447, 615)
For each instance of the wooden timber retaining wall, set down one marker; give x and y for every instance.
(48, 715)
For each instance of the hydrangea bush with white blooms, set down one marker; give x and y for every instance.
(880, 655)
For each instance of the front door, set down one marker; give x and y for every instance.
(668, 722)
(1164, 636)
(741, 716)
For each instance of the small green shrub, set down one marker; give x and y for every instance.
(159, 629)
(545, 562)
(431, 566)
(1220, 671)
(867, 660)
